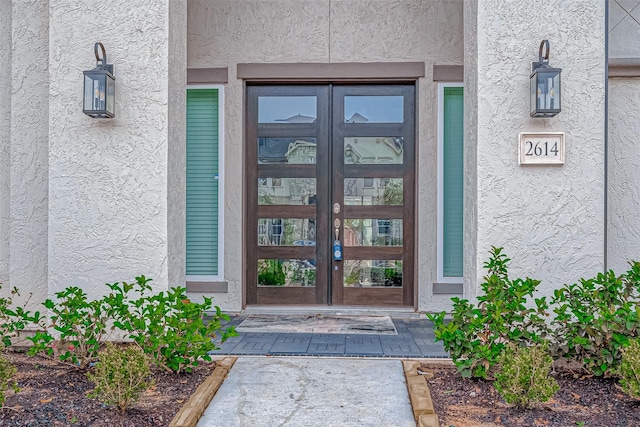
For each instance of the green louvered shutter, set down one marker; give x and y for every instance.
(202, 182)
(453, 174)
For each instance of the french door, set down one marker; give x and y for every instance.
(330, 195)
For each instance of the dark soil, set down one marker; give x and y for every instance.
(581, 401)
(52, 395)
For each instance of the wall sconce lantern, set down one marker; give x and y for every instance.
(545, 85)
(100, 88)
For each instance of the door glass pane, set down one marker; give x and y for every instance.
(294, 151)
(286, 232)
(372, 232)
(287, 272)
(373, 191)
(373, 109)
(372, 273)
(371, 150)
(286, 191)
(287, 109)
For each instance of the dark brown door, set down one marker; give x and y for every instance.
(328, 164)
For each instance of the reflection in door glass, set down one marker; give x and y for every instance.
(286, 191)
(371, 150)
(372, 273)
(287, 272)
(287, 109)
(286, 232)
(372, 232)
(373, 109)
(295, 151)
(373, 191)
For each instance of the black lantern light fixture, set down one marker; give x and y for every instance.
(100, 87)
(545, 85)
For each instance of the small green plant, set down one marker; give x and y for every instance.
(596, 317)
(629, 369)
(7, 371)
(174, 331)
(120, 376)
(80, 326)
(13, 318)
(476, 335)
(524, 376)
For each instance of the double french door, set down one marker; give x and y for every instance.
(330, 194)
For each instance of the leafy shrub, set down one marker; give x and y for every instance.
(175, 332)
(595, 318)
(524, 375)
(7, 371)
(120, 376)
(271, 273)
(476, 335)
(13, 319)
(629, 369)
(80, 324)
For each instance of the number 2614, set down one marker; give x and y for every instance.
(541, 148)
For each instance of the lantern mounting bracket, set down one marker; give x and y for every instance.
(542, 60)
(101, 62)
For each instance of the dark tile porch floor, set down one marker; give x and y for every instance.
(415, 339)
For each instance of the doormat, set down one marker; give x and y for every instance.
(318, 324)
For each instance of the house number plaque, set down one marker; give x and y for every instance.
(541, 148)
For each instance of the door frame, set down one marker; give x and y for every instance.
(323, 294)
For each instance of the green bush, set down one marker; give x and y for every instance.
(595, 318)
(13, 318)
(175, 332)
(524, 377)
(120, 376)
(629, 369)
(476, 335)
(80, 326)
(7, 371)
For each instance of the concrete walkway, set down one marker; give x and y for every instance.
(310, 391)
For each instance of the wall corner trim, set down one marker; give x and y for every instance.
(624, 67)
(448, 73)
(215, 75)
(346, 71)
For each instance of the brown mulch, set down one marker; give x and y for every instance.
(581, 401)
(52, 395)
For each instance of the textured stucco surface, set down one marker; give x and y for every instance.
(108, 184)
(28, 156)
(177, 149)
(624, 179)
(5, 138)
(549, 219)
(223, 33)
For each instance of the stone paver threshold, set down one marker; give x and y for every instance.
(415, 338)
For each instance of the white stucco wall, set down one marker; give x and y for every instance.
(5, 138)
(224, 33)
(624, 177)
(28, 152)
(109, 201)
(549, 219)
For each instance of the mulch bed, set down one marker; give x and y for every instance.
(581, 401)
(52, 394)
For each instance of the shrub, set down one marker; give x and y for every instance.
(80, 324)
(595, 318)
(629, 369)
(120, 376)
(524, 375)
(175, 332)
(13, 319)
(476, 335)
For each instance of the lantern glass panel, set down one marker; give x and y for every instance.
(111, 95)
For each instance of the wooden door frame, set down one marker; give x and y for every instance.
(322, 295)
